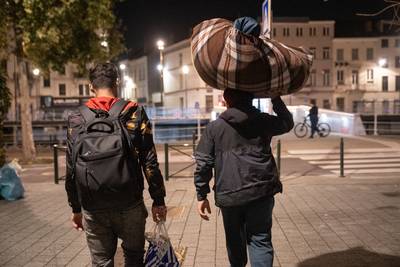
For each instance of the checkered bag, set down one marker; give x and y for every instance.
(160, 252)
(225, 57)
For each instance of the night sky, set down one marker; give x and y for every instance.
(145, 21)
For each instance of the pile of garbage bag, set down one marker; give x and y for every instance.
(11, 187)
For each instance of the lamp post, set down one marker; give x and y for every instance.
(160, 67)
(185, 72)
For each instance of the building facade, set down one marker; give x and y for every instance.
(183, 87)
(316, 36)
(367, 74)
(134, 76)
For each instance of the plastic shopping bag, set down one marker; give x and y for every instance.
(11, 187)
(160, 252)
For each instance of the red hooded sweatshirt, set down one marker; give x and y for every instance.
(105, 103)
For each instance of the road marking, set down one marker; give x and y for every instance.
(360, 166)
(349, 156)
(337, 151)
(366, 171)
(352, 161)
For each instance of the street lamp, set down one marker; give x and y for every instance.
(36, 71)
(122, 66)
(382, 62)
(185, 71)
(160, 67)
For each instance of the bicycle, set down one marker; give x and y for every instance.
(301, 129)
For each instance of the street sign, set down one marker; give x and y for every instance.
(266, 18)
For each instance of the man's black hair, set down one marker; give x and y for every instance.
(238, 98)
(104, 75)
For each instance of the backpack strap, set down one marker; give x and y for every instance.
(87, 114)
(117, 108)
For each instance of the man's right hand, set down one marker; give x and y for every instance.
(76, 219)
(202, 206)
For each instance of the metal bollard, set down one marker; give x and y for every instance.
(166, 162)
(194, 138)
(341, 157)
(278, 155)
(55, 160)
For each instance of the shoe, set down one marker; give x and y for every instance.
(311, 137)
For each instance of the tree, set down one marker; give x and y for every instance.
(392, 6)
(5, 101)
(48, 34)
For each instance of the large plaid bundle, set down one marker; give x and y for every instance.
(225, 57)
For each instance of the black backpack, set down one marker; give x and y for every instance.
(106, 167)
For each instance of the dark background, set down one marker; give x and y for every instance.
(145, 21)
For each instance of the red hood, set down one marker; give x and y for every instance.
(105, 103)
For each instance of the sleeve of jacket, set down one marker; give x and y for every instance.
(205, 160)
(70, 184)
(283, 121)
(148, 159)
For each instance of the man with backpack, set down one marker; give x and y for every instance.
(109, 147)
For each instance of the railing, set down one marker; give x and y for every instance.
(382, 128)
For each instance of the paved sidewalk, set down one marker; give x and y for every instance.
(317, 222)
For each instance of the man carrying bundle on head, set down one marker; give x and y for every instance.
(238, 144)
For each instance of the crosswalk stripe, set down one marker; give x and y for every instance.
(350, 161)
(337, 151)
(360, 166)
(350, 156)
(367, 171)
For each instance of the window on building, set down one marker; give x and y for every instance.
(209, 103)
(299, 32)
(313, 78)
(385, 83)
(286, 32)
(397, 62)
(370, 54)
(326, 53)
(396, 106)
(370, 75)
(325, 31)
(326, 104)
(274, 32)
(340, 77)
(313, 51)
(340, 104)
(385, 107)
(46, 81)
(340, 54)
(354, 54)
(384, 43)
(357, 106)
(397, 43)
(81, 90)
(397, 83)
(62, 89)
(180, 59)
(313, 31)
(181, 102)
(354, 77)
(326, 77)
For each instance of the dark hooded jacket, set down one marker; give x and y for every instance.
(238, 147)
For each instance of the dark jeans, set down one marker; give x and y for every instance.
(314, 125)
(249, 224)
(103, 228)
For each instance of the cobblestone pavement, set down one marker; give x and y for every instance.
(318, 221)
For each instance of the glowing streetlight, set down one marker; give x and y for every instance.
(160, 44)
(36, 71)
(160, 67)
(185, 69)
(122, 66)
(104, 44)
(382, 62)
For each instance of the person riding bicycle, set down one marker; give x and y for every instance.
(313, 114)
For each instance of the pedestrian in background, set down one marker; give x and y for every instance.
(109, 144)
(313, 114)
